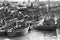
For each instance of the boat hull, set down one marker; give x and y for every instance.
(47, 28)
(18, 32)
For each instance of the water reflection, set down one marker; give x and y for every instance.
(6, 39)
(36, 35)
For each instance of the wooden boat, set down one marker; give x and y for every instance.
(48, 26)
(17, 32)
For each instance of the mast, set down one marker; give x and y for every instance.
(37, 0)
(48, 6)
(29, 1)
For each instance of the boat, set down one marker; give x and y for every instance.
(17, 32)
(47, 26)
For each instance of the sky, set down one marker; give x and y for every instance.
(33, 0)
(30, 0)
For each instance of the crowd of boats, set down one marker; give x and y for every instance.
(20, 19)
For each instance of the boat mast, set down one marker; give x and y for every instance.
(48, 6)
